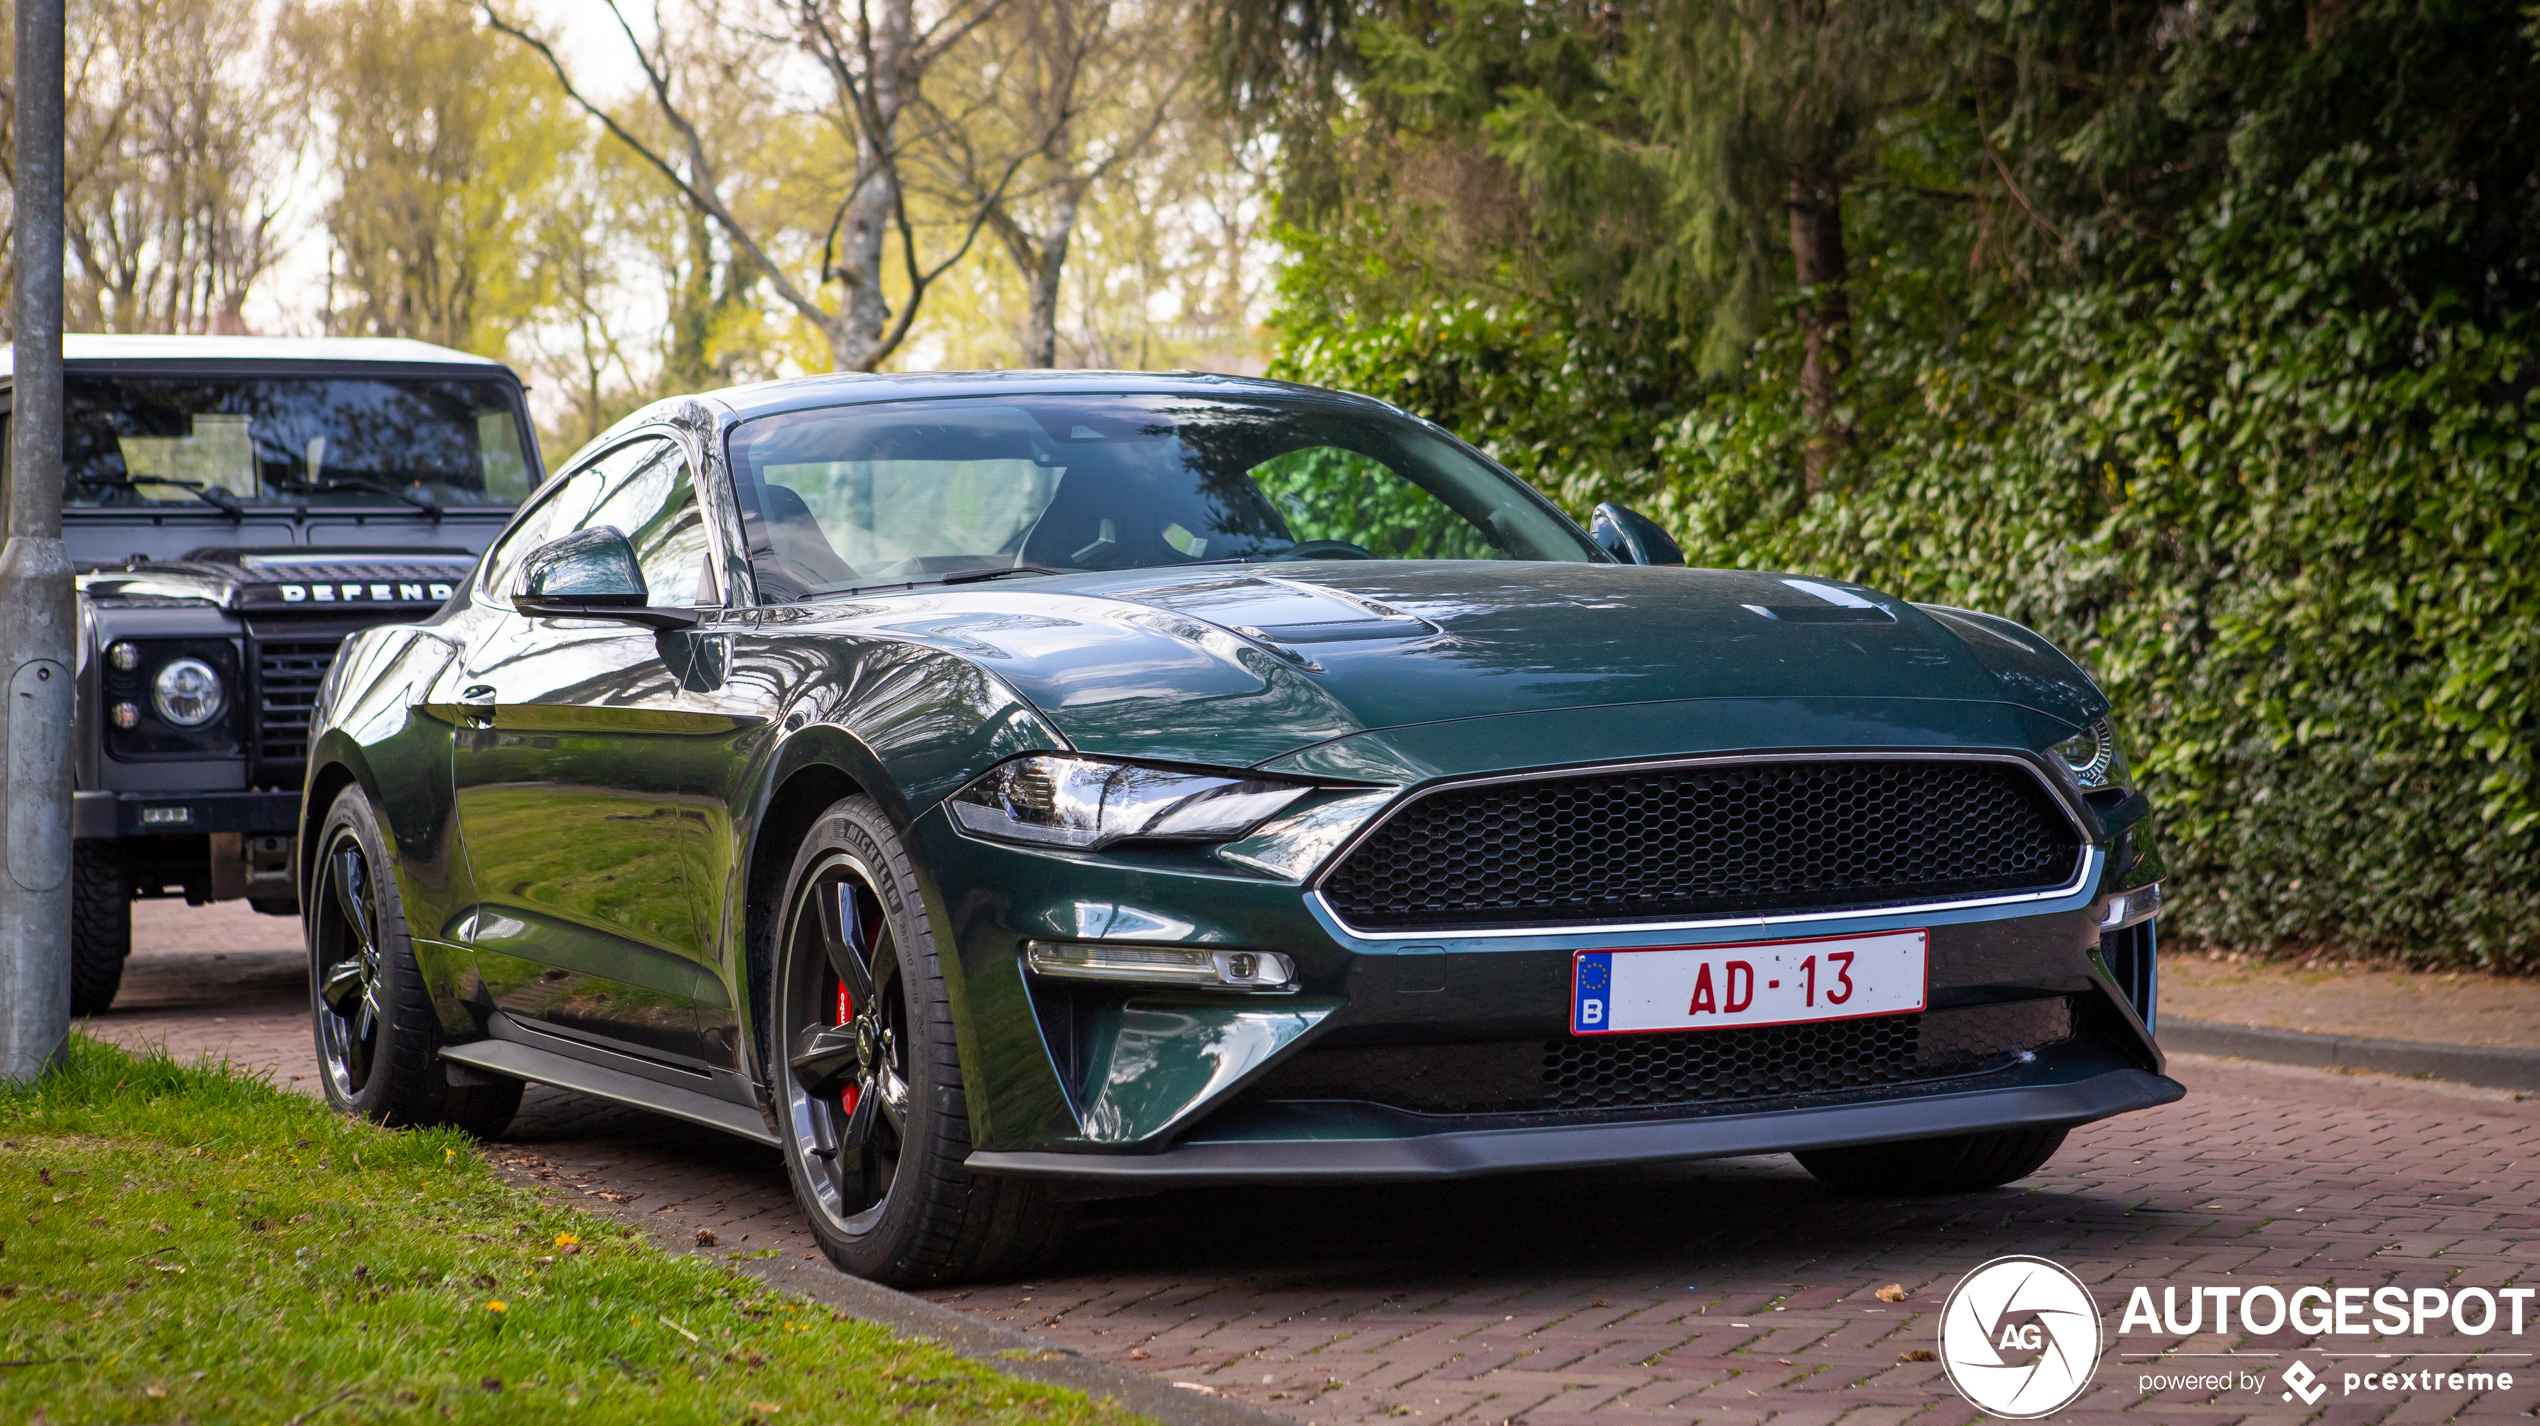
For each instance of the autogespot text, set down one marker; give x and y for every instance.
(2381, 1313)
(2330, 1312)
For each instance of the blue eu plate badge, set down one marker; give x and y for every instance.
(1595, 982)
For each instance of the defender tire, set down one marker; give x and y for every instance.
(377, 1036)
(1961, 1163)
(886, 1195)
(101, 925)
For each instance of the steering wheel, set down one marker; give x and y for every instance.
(1326, 550)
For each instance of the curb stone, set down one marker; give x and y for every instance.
(2482, 1065)
(1018, 1354)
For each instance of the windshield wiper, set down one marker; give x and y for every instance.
(973, 576)
(959, 576)
(406, 493)
(216, 496)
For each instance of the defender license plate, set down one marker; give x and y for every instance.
(1760, 983)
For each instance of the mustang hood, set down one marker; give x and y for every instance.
(1241, 664)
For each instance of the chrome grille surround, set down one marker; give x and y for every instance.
(2085, 866)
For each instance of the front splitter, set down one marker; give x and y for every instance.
(1471, 1153)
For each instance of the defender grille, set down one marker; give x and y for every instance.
(287, 679)
(1680, 1068)
(1678, 843)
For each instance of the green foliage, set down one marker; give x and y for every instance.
(187, 1243)
(451, 156)
(1327, 493)
(1568, 410)
(2274, 485)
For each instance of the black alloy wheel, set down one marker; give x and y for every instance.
(377, 1036)
(867, 1077)
(349, 1012)
(847, 1096)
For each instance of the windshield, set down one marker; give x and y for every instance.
(857, 496)
(159, 441)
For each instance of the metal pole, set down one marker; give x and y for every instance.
(36, 610)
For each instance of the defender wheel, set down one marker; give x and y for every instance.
(376, 1033)
(1961, 1163)
(101, 926)
(868, 1079)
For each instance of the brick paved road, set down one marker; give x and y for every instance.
(1732, 1291)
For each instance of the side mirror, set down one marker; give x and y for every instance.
(1632, 537)
(591, 574)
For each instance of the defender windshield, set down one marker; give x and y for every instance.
(159, 441)
(858, 496)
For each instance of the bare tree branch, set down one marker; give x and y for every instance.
(699, 193)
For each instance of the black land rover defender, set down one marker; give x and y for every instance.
(235, 507)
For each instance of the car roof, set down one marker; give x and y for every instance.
(803, 393)
(87, 347)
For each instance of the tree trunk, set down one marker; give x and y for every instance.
(1825, 317)
(1044, 273)
(864, 317)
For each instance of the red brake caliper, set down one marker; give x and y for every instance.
(846, 1017)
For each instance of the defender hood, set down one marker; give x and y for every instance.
(300, 580)
(1237, 665)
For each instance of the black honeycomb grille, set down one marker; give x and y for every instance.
(1773, 1061)
(1689, 842)
(1692, 1067)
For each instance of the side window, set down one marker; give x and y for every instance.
(654, 505)
(555, 515)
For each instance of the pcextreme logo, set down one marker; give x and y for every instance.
(2019, 1337)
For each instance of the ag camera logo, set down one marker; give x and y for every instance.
(2019, 1337)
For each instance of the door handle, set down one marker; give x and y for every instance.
(477, 699)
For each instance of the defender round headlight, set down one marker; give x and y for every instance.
(187, 693)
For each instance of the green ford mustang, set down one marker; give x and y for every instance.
(998, 791)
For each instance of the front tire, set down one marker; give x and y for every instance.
(868, 1078)
(377, 1037)
(101, 926)
(1960, 1163)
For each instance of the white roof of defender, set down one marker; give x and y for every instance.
(92, 346)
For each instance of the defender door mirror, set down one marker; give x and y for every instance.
(591, 574)
(1632, 537)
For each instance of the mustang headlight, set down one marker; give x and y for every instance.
(1052, 800)
(2091, 756)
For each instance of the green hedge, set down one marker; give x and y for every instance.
(2278, 497)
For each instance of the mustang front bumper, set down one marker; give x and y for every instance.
(1304, 1147)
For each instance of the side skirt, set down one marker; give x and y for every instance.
(519, 1061)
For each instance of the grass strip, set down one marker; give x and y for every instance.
(187, 1243)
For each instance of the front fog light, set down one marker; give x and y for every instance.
(2132, 908)
(1160, 965)
(187, 693)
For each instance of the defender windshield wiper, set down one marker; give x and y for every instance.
(218, 497)
(406, 493)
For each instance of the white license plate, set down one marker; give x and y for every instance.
(1761, 983)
